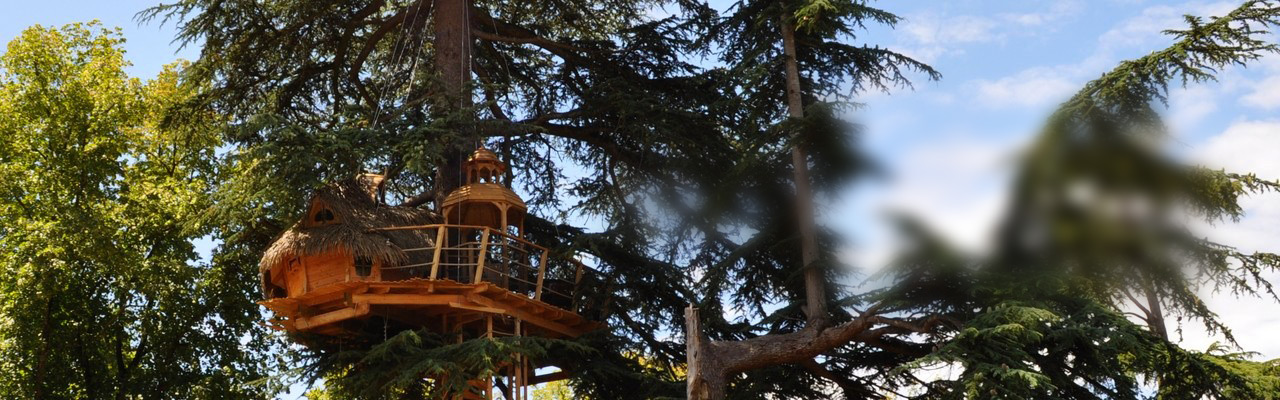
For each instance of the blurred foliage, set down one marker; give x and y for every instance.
(1096, 257)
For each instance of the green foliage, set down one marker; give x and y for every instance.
(396, 367)
(603, 115)
(553, 391)
(1262, 377)
(103, 179)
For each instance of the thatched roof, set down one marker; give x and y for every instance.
(356, 210)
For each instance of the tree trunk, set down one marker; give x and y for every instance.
(453, 59)
(46, 334)
(453, 50)
(706, 378)
(1155, 315)
(712, 364)
(814, 279)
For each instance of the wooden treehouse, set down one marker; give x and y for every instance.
(354, 265)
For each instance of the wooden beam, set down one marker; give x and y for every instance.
(542, 273)
(551, 377)
(483, 309)
(531, 317)
(423, 299)
(357, 310)
(484, 250)
(435, 258)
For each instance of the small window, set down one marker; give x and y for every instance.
(364, 266)
(322, 216)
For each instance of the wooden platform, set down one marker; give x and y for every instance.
(441, 304)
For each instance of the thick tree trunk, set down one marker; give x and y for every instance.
(453, 50)
(814, 279)
(706, 378)
(452, 20)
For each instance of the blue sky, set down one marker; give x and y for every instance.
(949, 145)
(148, 46)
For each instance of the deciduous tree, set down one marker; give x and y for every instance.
(103, 182)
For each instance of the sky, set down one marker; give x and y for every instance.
(948, 146)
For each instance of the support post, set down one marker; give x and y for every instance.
(435, 258)
(488, 390)
(484, 250)
(577, 282)
(542, 274)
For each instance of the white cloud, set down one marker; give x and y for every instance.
(1148, 26)
(930, 36)
(1043, 86)
(932, 29)
(956, 184)
(1189, 106)
(1056, 12)
(1266, 94)
(1032, 88)
(1245, 146)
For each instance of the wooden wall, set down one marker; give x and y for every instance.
(327, 269)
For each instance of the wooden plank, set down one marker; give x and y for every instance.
(551, 377)
(577, 280)
(435, 258)
(531, 317)
(483, 309)
(542, 273)
(423, 299)
(358, 310)
(297, 277)
(484, 250)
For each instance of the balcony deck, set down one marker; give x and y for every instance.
(469, 277)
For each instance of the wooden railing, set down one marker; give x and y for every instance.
(473, 254)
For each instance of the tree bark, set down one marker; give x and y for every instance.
(706, 379)
(46, 334)
(453, 59)
(711, 364)
(1155, 314)
(814, 279)
(453, 49)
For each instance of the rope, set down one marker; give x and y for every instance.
(396, 54)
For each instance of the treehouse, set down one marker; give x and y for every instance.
(354, 265)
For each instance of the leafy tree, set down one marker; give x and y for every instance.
(553, 391)
(103, 179)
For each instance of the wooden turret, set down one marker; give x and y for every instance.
(483, 200)
(353, 259)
